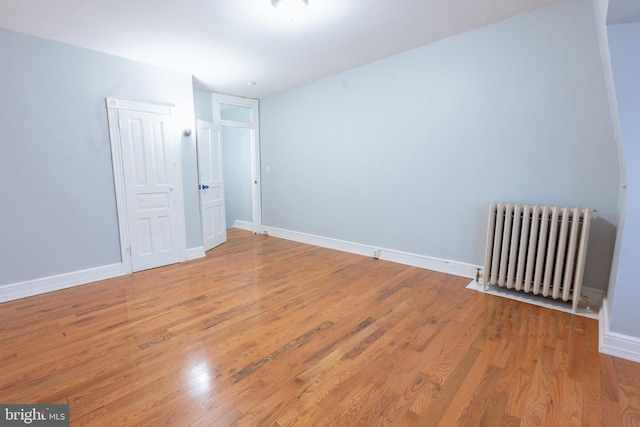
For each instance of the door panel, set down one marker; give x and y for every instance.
(212, 205)
(150, 160)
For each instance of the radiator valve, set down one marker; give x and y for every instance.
(587, 303)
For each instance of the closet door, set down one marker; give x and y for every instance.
(152, 185)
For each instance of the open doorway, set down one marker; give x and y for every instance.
(236, 146)
(237, 119)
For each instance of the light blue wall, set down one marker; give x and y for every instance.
(58, 202)
(236, 154)
(624, 46)
(407, 153)
(202, 105)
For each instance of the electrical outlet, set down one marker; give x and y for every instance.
(376, 253)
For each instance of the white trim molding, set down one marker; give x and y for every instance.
(614, 343)
(43, 285)
(430, 263)
(243, 225)
(168, 110)
(195, 253)
(118, 178)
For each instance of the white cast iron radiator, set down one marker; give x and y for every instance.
(537, 249)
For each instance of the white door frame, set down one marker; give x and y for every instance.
(113, 117)
(254, 126)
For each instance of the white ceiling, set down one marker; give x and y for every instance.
(227, 43)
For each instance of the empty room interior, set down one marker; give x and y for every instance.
(320, 212)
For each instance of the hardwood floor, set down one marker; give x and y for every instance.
(268, 332)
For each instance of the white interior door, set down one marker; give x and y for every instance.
(153, 187)
(210, 177)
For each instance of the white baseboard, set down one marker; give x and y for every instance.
(195, 253)
(614, 343)
(43, 285)
(243, 225)
(444, 266)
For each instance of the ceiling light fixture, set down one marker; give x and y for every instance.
(291, 8)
